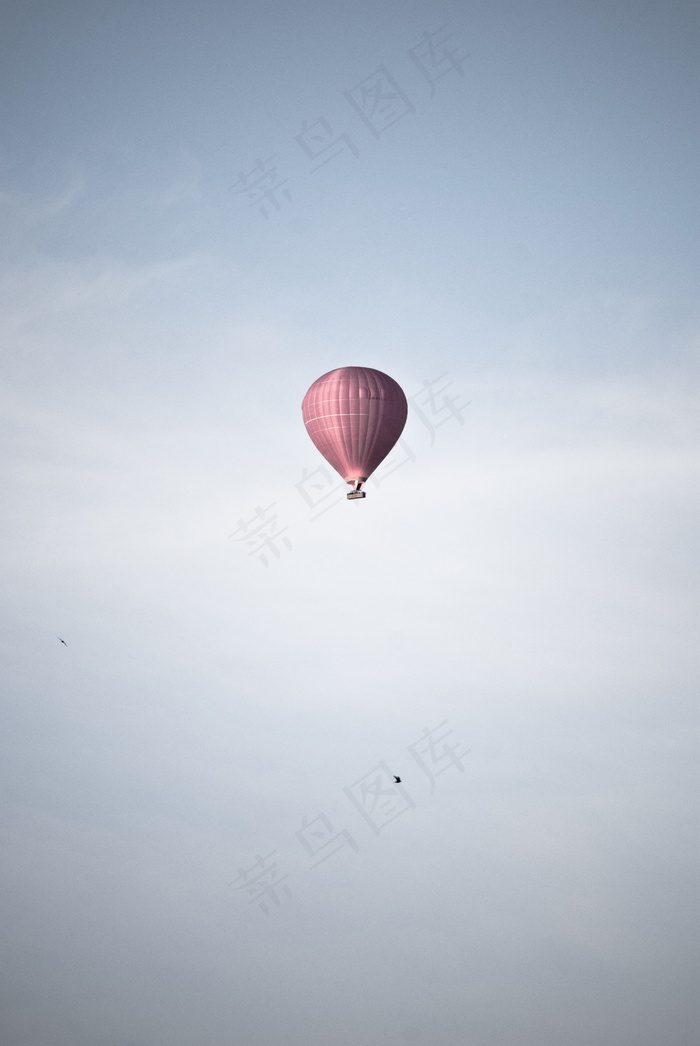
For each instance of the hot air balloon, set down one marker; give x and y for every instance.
(354, 416)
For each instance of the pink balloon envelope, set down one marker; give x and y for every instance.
(354, 416)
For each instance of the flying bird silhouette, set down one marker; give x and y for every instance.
(62, 640)
(397, 779)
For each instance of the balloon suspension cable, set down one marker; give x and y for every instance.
(356, 492)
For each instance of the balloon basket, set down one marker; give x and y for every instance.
(355, 494)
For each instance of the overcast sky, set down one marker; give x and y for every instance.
(205, 207)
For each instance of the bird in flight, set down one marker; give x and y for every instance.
(397, 779)
(62, 640)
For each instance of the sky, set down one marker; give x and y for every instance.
(204, 208)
